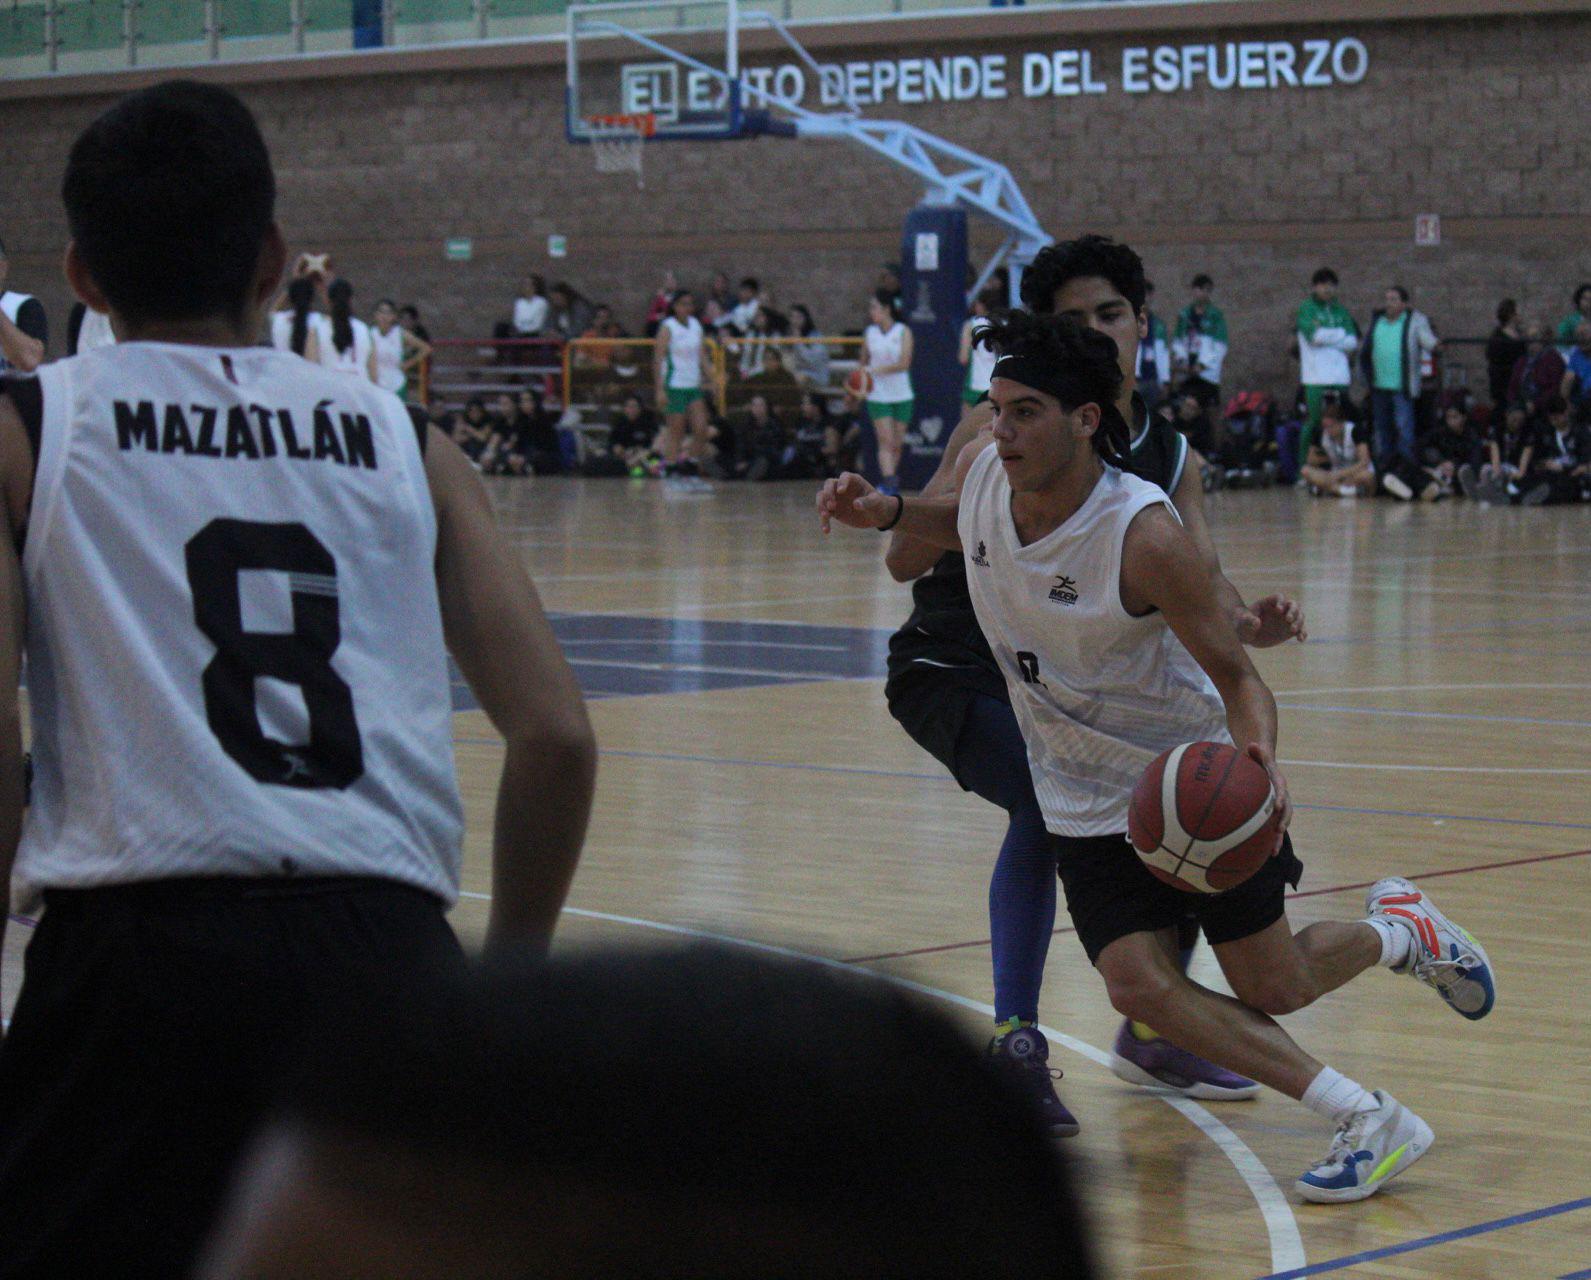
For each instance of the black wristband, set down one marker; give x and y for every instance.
(900, 508)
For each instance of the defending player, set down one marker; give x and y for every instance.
(1115, 646)
(947, 692)
(240, 576)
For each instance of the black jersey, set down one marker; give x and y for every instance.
(941, 642)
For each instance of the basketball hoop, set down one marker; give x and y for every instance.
(616, 142)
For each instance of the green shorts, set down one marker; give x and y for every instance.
(900, 410)
(681, 399)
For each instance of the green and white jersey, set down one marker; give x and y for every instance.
(683, 363)
(884, 349)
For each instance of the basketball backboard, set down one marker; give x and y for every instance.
(672, 65)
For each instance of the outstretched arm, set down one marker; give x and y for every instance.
(853, 502)
(1271, 621)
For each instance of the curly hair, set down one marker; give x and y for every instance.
(1091, 255)
(1085, 366)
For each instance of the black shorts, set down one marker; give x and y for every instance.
(1110, 893)
(932, 709)
(146, 1044)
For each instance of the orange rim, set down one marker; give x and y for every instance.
(643, 122)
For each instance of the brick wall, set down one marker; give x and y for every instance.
(1479, 120)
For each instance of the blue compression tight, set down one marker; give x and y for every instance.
(992, 762)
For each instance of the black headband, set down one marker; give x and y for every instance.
(1044, 376)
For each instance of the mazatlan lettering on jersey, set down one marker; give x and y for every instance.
(252, 431)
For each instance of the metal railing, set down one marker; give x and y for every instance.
(459, 368)
(600, 373)
(40, 37)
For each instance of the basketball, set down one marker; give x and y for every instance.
(1203, 817)
(859, 383)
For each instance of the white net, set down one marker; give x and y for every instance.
(617, 144)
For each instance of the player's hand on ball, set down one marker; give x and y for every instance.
(1284, 805)
(852, 501)
(1272, 621)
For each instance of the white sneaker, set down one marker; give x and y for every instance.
(1444, 956)
(1366, 1152)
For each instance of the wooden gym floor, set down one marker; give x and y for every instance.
(1436, 724)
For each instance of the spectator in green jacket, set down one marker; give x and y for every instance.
(1327, 336)
(1199, 343)
(1579, 316)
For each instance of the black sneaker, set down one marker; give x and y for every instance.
(1026, 1053)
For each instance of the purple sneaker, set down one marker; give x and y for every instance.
(1026, 1054)
(1159, 1064)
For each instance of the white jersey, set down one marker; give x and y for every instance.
(282, 329)
(887, 349)
(95, 331)
(355, 360)
(1097, 692)
(683, 363)
(235, 653)
(389, 358)
(981, 362)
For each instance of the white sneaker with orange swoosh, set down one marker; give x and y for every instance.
(1444, 956)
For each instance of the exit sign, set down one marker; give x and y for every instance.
(1428, 229)
(459, 249)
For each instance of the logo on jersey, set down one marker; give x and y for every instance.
(1065, 590)
(980, 557)
(1028, 665)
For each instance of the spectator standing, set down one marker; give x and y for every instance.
(1579, 316)
(1400, 337)
(1154, 355)
(809, 360)
(24, 328)
(740, 316)
(347, 348)
(720, 292)
(1539, 377)
(887, 356)
(396, 352)
(297, 327)
(977, 358)
(1576, 385)
(409, 318)
(1199, 344)
(661, 301)
(1504, 349)
(1327, 336)
(1339, 460)
(531, 308)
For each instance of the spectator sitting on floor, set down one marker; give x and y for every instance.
(631, 443)
(472, 430)
(809, 361)
(570, 314)
(763, 440)
(1504, 349)
(1452, 452)
(842, 438)
(505, 453)
(1339, 459)
(1562, 457)
(1570, 324)
(811, 432)
(1576, 385)
(536, 428)
(531, 308)
(1510, 449)
(1191, 419)
(439, 415)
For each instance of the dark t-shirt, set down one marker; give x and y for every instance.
(941, 641)
(33, 321)
(639, 434)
